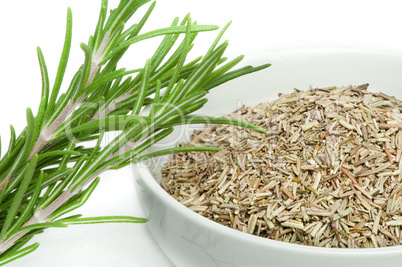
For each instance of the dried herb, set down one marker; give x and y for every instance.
(327, 173)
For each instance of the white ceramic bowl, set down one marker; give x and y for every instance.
(189, 239)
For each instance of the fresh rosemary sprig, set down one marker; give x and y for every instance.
(53, 165)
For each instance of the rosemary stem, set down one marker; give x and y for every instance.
(111, 107)
(6, 245)
(104, 112)
(47, 132)
(57, 203)
(4, 182)
(99, 53)
(97, 58)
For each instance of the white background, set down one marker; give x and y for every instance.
(258, 25)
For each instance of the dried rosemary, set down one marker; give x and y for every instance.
(327, 173)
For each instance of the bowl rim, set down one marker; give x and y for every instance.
(142, 171)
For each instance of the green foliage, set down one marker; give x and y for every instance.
(47, 172)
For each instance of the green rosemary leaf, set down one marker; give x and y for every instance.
(86, 71)
(221, 71)
(167, 70)
(122, 13)
(178, 92)
(62, 65)
(10, 155)
(97, 147)
(123, 34)
(108, 123)
(104, 219)
(12, 212)
(174, 65)
(66, 158)
(37, 226)
(165, 46)
(136, 28)
(233, 75)
(18, 254)
(12, 140)
(65, 99)
(155, 33)
(29, 207)
(58, 153)
(194, 119)
(118, 91)
(98, 35)
(112, 17)
(135, 7)
(75, 216)
(105, 79)
(22, 156)
(50, 179)
(144, 86)
(44, 74)
(204, 68)
(30, 134)
(56, 192)
(114, 85)
(3, 192)
(218, 38)
(173, 112)
(147, 143)
(155, 102)
(46, 194)
(194, 106)
(109, 149)
(21, 242)
(77, 116)
(76, 202)
(113, 39)
(165, 152)
(39, 118)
